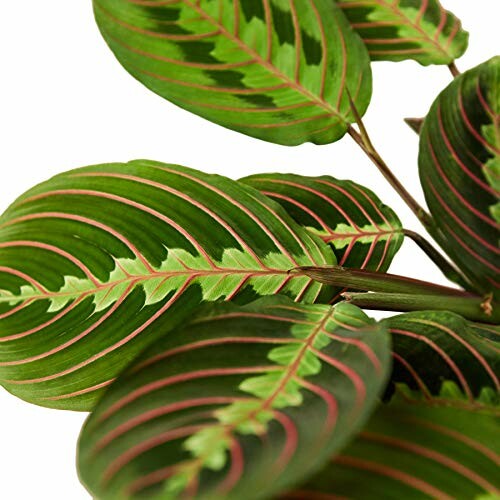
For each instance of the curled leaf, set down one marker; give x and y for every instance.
(459, 167)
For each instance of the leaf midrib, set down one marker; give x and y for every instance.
(279, 74)
(135, 280)
(289, 373)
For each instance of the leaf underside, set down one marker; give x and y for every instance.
(421, 30)
(459, 165)
(241, 404)
(278, 70)
(363, 232)
(97, 263)
(442, 356)
(415, 452)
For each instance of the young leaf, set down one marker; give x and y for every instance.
(415, 451)
(278, 70)
(459, 167)
(364, 233)
(407, 29)
(435, 351)
(242, 403)
(97, 263)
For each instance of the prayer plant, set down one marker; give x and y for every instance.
(214, 328)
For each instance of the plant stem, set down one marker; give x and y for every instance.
(364, 141)
(453, 69)
(366, 145)
(449, 271)
(373, 281)
(415, 124)
(472, 307)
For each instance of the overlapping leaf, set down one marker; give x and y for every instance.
(279, 70)
(459, 168)
(97, 263)
(364, 233)
(407, 29)
(441, 354)
(242, 403)
(415, 452)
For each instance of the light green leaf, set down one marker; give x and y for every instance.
(396, 30)
(278, 70)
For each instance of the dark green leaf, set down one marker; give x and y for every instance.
(459, 169)
(415, 452)
(364, 233)
(396, 30)
(239, 405)
(279, 70)
(97, 263)
(435, 352)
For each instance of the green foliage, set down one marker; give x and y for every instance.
(459, 167)
(242, 403)
(460, 356)
(407, 29)
(364, 233)
(193, 313)
(97, 263)
(279, 70)
(416, 451)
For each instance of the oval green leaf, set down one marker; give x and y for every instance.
(97, 263)
(415, 452)
(440, 353)
(459, 169)
(278, 70)
(421, 30)
(363, 232)
(242, 403)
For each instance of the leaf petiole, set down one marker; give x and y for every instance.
(373, 281)
(471, 307)
(446, 267)
(453, 69)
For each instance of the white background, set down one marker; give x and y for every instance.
(65, 102)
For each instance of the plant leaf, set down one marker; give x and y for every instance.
(399, 30)
(92, 260)
(414, 452)
(278, 70)
(364, 233)
(459, 167)
(439, 353)
(242, 403)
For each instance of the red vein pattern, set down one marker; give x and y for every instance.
(364, 233)
(398, 30)
(459, 149)
(230, 412)
(415, 451)
(97, 263)
(458, 358)
(224, 60)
